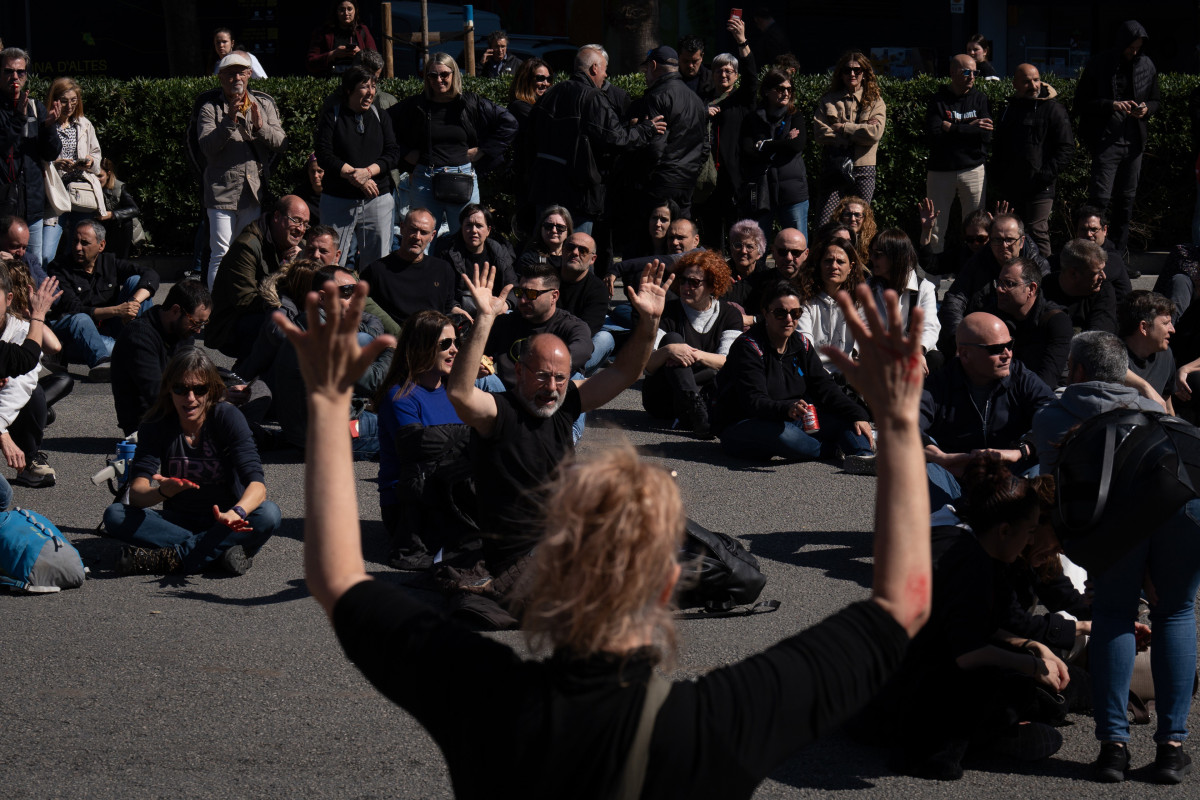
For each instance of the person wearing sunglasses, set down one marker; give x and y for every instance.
(426, 497)
(195, 456)
(958, 124)
(774, 184)
(771, 376)
(449, 139)
(981, 401)
(694, 336)
(146, 345)
(530, 82)
(848, 124)
(27, 131)
(546, 242)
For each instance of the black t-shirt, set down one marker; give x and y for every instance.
(562, 727)
(586, 299)
(402, 288)
(447, 134)
(520, 456)
(1158, 369)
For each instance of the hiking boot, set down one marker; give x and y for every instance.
(859, 465)
(1030, 741)
(1112, 763)
(235, 561)
(37, 473)
(101, 373)
(1171, 764)
(694, 415)
(148, 561)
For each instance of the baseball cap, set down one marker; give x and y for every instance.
(663, 55)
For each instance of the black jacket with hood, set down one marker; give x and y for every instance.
(1033, 143)
(1109, 78)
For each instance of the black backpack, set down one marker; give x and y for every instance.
(1120, 476)
(720, 574)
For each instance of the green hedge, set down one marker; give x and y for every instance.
(141, 125)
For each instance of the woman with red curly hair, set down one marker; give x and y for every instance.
(849, 123)
(694, 336)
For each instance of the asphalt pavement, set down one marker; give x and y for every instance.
(207, 687)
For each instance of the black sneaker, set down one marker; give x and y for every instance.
(1171, 764)
(148, 561)
(1112, 763)
(695, 415)
(235, 561)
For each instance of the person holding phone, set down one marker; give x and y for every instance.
(334, 45)
(79, 158)
(27, 135)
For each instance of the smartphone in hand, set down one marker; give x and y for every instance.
(735, 13)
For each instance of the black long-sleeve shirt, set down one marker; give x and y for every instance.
(84, 292)
(562, 727)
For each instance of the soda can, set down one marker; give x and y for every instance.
(811, 424)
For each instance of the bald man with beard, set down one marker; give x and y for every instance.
(520, 436)
(981, 401)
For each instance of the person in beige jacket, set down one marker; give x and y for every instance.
(849, 123)
(239, 132)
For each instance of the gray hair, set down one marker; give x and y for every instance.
(14, 54)
(748, 229)
(369, 59)
(1078, 254)
(725, 59)
(1101, 356)
(588, 55)
(96, 227)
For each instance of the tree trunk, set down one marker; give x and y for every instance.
(632, 32)
(184, 56)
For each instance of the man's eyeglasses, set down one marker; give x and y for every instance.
(300, 223)
(347, 291)
(526, 293)
(993, 349)
(1008, 285)
(970, 73)
(184, 389)
(1007, 240)
(544, 378)
(783, 313)
(195, 324)
(975, 239)
(444, 344)
(552, 227)
(692, 283)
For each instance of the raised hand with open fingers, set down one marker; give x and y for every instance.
(481, 289)
(650, 296)
(331, 359)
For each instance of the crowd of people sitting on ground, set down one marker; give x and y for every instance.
(465, 360)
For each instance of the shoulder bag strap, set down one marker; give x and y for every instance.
(633, 774)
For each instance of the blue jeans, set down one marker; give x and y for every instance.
(84, 341)
(365, 446)
(1172, 556)
(199, 542)
(603, 345)
(421, 194)
(758, 439)
(364, 226)
(33, 253)
(793, 216)
(6, 493)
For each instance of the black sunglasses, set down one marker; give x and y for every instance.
(347, 291)
(784, 313)
(976, 239)
(992, 349)
(784, 251)
(852, 71)
(183, 389)
(525, 293)
(692, 283)
(444, 344)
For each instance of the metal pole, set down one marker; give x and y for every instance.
(469, 39)
(424, 34)
(385, 10)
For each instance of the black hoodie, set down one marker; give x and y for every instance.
(1109, 78)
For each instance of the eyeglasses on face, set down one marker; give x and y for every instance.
(346, 291)
(195, 324)
(993, 349)
(1008, 285)
(439, 76)
(553, 227)
(692, 283)
(444, 344)
(300, 223)
(783, 252)
(852, 214)
(544, 378)
(20, 73)
(1008, 241)
(526, 293)
(184, 389)
(783, 313)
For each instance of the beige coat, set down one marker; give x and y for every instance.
(237, 155)
(862, 125)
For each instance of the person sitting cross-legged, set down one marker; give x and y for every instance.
(209, 479)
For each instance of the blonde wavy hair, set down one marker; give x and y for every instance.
(613, 530)
(866, 233)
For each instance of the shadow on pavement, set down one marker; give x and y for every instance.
(843, 555)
